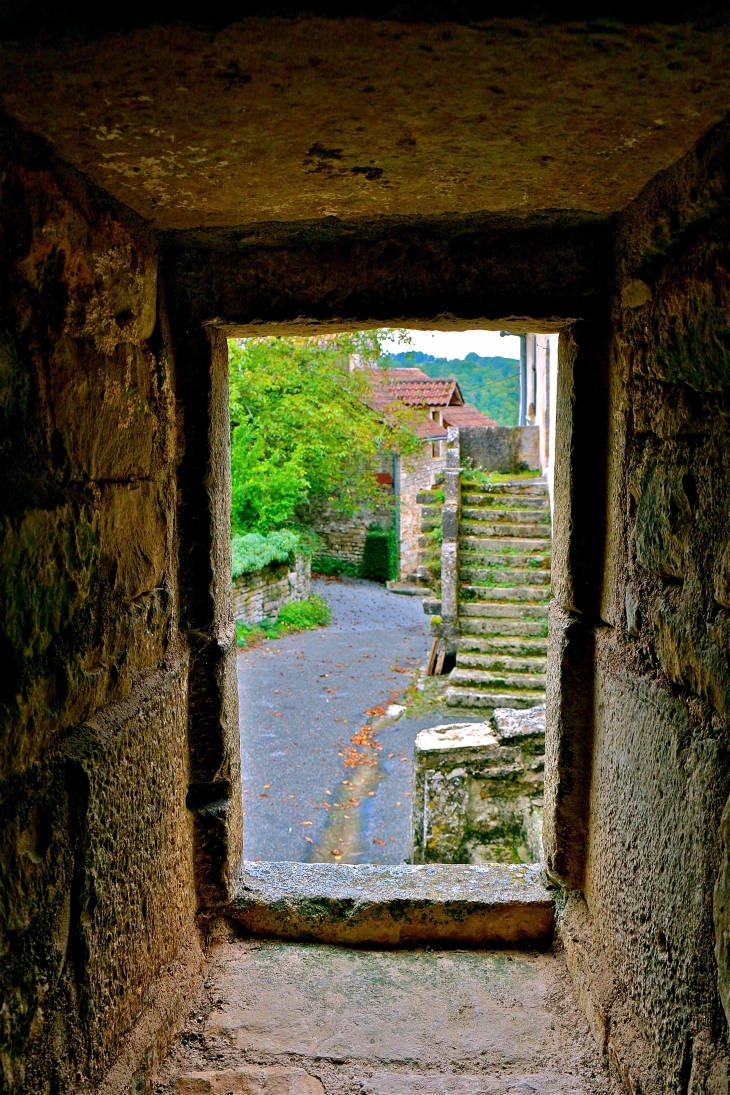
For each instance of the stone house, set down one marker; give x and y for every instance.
(437, 404)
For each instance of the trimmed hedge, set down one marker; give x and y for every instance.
(380, 556)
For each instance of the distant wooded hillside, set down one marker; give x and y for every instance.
(492, 384)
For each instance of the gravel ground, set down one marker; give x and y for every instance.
(301, 700)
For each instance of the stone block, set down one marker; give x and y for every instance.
(133, 537)
(103, 410)
(478, 790)
(663, 520)
(251, 1080)
(501, 448)
(362, 904)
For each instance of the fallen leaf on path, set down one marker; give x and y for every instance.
(336, 852)
(371, 794)
(309, 840)
(310, 823)
(395, 669)
(278, 715)
(277, 691)
(263, 795)
(339, 666)
(379, 710)
(267, 786)
(376, 840)
(390, 756)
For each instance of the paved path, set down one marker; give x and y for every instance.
(302, 699)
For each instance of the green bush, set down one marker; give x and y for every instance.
(304, 615)
(296, 616)
(253, 551)
(380, 555)
(330, 564)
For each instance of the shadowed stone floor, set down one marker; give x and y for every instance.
(300, 1019)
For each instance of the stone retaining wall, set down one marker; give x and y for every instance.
(478, 790)
(501, 448)
(260, 595)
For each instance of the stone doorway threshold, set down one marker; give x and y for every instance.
(283, 1018)
(405, 905)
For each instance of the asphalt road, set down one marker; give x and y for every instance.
(302, 698)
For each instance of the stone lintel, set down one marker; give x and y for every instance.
(404, 905)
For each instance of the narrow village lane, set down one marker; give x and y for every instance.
(302, 700)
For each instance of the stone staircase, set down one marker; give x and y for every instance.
(504, 554)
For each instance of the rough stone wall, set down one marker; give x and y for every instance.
(260, 595)
(343, 535)
(96, 886)
(655, 874)
(478, 790)
(501, 448)
(417, 472)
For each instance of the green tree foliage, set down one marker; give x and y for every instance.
(492, 384)
(301, 428)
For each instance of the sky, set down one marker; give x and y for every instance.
(457, 344)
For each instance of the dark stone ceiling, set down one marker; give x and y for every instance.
(288, 120)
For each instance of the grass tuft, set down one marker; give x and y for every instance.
(296, 616)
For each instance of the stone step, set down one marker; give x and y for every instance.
(484, 529)
(539, 501)
(504, 645)
(471, 697)
(508, 557)
(485, 680)
(494, 663)
(511, 486)
(489, 545)
(502, 611)
(484, 625)
(523, 594)
(505, 516)
(390, 906)
(523, 577)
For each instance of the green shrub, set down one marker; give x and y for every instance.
(380, 555)
(296, 616)
(330, 564)
(253, 551)
(304, 615)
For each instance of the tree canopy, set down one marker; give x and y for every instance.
(301, 428)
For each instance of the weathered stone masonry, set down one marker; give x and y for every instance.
(119, 764)
(639, 674)
(259, 596)
(97, 871)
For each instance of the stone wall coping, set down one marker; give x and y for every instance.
(464, 735)
(404, 904)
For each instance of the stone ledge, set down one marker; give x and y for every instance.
(404, 905)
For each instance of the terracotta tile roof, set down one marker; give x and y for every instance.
(466, 416)
(420, 391)
(407, 374)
